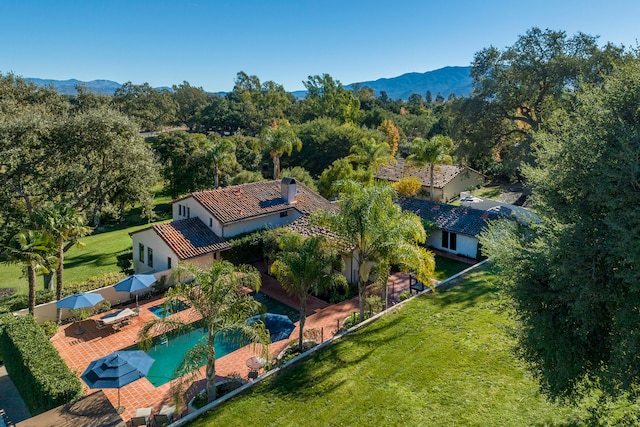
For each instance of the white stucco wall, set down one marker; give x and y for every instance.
(259, 223)
(465, 245)
(161, 252)
(461, 182)
(47, 312)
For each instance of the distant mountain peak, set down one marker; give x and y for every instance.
(445, 81)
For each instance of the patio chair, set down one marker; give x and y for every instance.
(99, 324)
(165, 416)
(142, 417)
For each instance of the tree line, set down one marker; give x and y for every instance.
(556, 111)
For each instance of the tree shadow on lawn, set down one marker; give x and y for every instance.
(89, 259)
(322, 371)
(471, 289)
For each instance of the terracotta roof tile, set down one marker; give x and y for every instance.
(442, 174)
(244, 201)
(190, 238)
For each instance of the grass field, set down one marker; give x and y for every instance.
(441, 360)
(98, 256)
(447, 267)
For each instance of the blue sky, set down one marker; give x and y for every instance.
(207, 43)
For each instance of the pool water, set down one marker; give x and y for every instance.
(272, 305)
(169, 351)
(174, 307)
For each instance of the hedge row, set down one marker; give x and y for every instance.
(35, 366)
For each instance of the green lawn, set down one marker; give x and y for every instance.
(447, 267)
(442, 359)
(98, 256)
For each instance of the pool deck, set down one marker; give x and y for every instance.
(79, 350)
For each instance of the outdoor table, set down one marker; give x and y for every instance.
(255, 363)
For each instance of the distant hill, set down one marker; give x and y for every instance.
(448, 80)
(68, 87)
(444, 81)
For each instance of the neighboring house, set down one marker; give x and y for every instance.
(203, 220)
(448, 180)
(520, 214)
(456, 228)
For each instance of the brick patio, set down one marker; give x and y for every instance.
(79, 350)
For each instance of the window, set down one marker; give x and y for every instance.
(140, 252)
(168, 263)
(283, 214)
(188, 212)
(179, 209)
(210, 222)
(150, 257)
(449, 240)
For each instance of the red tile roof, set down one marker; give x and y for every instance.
(245, 201)
(442, 174)
(190, 238)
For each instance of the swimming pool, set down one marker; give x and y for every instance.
(169, 353)
(162, 311)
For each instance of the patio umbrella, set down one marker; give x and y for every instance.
(135, 283)
(279, 325)
(79, 300)
(117, 370)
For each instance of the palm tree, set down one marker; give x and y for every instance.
(307, 266)
(33, 249)
(219, 152)
(279, 138)
(66, 226)
(430, 152)
(218, 300)
(371, 153)
(380, 233)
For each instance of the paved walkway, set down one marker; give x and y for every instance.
(79, 350)
(10, 399)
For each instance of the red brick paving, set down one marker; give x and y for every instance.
(79, 350)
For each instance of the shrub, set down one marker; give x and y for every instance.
(245, 249)
(125, 262)
(404, 295)
(40, 375)
(408, 186)
(49, 328)
(96, 282)
(19, 302)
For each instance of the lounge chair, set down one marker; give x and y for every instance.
(165, 416)
(142, 417)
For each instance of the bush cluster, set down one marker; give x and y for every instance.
(35, 366)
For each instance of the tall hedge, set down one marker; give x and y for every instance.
(35, 366)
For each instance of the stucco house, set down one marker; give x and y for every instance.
(448, 180)
(456, 228)
(202, 221)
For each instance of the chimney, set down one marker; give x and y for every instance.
(288, 190)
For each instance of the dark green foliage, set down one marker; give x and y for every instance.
(246, 248)
(20, 302)
(323, 142)
(125, 262)
(40, 375)
(517, 90)
(574, 277)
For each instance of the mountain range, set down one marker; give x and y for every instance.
(444, 81)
